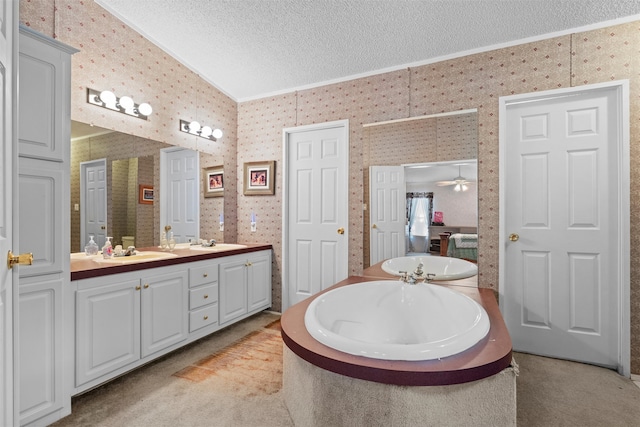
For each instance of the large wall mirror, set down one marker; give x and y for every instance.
(433, 150)
(131, 178)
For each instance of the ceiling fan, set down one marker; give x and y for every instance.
(461, 183)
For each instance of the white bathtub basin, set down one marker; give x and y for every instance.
(393, 320)
(444, 268)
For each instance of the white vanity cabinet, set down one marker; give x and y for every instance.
(123, 318)
(245, 285)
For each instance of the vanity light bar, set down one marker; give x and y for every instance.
(194, 128)
(124, 104)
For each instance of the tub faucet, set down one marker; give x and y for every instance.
(417, 276)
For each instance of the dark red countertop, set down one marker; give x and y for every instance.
(488, 357)
(86, 268)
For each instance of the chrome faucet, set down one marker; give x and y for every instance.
(417, 276)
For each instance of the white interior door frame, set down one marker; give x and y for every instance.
(285, 202)
(623, 211)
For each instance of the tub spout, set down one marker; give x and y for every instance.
(417, 276)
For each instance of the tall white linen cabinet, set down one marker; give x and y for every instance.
(42, 368)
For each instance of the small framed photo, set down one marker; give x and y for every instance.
(259, 178)
(145, 194)
(213, 181)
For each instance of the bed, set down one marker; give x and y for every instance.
(463, 246)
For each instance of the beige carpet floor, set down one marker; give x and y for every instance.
(233, 378)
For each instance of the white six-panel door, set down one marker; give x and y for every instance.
(316, 204)
(93, 202)
(563, 264)
(8, 87)
(387, 212)
(179, 197)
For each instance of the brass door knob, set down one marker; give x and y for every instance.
(340, 230)
(513, 237)
(22, 259)
(146, 285)
(374, 226)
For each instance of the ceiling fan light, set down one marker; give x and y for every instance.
(457, 187)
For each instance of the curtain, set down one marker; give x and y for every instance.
(419, 212)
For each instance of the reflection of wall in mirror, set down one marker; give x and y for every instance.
(118, 146)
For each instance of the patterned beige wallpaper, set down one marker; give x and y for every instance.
(115, 57)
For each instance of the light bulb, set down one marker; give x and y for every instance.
(217, 134)
(145, 109)
(206, 131)
(457, 187)
(464, 187)
(126, 102)
(109, 98)
(194, 127)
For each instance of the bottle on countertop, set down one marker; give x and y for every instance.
(107, 249)
(91, 248)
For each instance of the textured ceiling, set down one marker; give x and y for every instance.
(254, 48)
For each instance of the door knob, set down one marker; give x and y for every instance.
(374, 226)
(340, 230)
(102, 227)
(22, 259)
(513, 237)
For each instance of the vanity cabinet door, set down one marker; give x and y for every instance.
(165, 311)
(259, 282)
(107, 329)
(245, 285)
(233, 289)
(40, 349)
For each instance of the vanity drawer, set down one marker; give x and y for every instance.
(203, 296)
(203, 274)
(203, 317)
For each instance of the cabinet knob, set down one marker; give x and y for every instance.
(206, 296)
(248, 264)
(146, 285)
(206, 317)
(137, 287)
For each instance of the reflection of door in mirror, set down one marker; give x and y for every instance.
(439, 138)
(93, 202)
(180, 193)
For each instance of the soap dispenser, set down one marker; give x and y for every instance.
(107, 249)
(91, 248)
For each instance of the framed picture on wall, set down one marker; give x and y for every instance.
(259, 178)
(213, 181)
(145, 194)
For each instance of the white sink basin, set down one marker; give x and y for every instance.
(444, 268)
(392, 320)
(138, 257)
(219, 247)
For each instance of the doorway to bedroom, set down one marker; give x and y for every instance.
(442, 209)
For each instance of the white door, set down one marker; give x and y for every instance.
(563, 190)
(180, 197)
(387, 212)
(316, 201)
(93, 202)
(8, 129)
